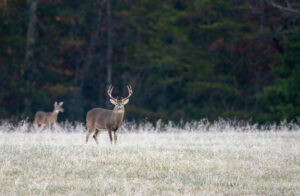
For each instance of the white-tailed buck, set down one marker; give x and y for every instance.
(48, 118)
(102, 119)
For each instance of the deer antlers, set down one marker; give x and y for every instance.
(110, 89)
(129, 93)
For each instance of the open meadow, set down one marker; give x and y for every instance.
(196, 159)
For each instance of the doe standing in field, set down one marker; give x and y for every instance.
(48, 118)
(103, 119)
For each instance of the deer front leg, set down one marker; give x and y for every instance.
(115, 136)
(52, 126)
(110, 136)
(88, 133)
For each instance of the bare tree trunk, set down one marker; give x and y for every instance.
(29, 50)
(109, 46)
(31, 29)
(258, 74)
(262, 15)
(92, 44)
(78, 96)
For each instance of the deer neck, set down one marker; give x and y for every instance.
(119, 114)
(115, 119)
(54, 114)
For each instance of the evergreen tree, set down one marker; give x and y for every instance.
(281, 100)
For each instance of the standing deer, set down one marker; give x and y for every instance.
(48, 118)
(102, 119)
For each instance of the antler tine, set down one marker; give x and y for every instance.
(109, 91)
(129, 88)
(129, 92)
(110, 88)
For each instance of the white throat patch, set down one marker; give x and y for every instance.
(119, 111)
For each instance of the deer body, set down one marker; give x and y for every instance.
(47, 118)
(99, 118)
(103, 119)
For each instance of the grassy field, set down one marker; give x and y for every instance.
(151, 163)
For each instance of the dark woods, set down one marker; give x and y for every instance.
(184, 59)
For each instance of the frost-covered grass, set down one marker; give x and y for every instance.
(178, 161)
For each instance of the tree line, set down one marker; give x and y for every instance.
(185, 60)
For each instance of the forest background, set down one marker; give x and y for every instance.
(185, 60)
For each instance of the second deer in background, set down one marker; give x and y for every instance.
(102, 119)
(48, 118)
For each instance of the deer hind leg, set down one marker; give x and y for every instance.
(115, 136)
(42, 126)
(95, 136)
(34, 126)
(110, 136)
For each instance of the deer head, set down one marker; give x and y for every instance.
(58, 107)
(119, 104)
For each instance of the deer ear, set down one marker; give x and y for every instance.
(126, 101)
(113, 102)
(61, 103)
(55, 104)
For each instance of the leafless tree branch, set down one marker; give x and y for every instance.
(289, 8)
